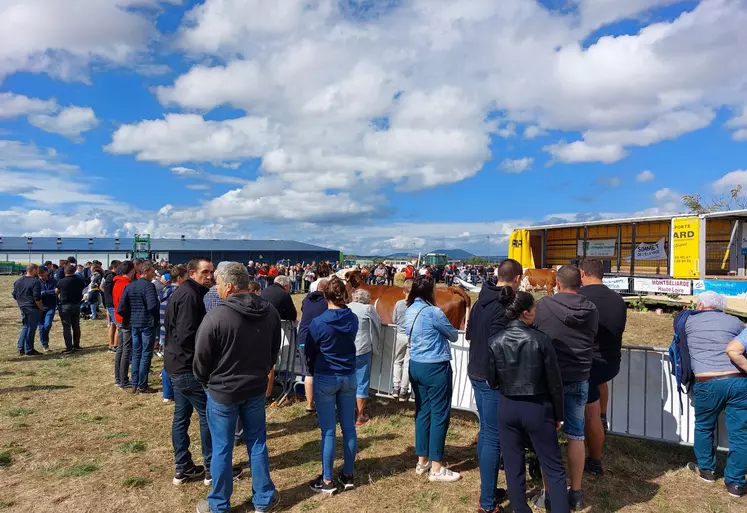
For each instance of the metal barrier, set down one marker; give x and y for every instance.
(643, 398)
(644, 403)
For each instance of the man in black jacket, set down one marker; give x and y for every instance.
(571, 321)
(70, 291)
(486, 319)
(237, 345)
(183, 317)
(613, 315)
(27, 293)
(279, 296)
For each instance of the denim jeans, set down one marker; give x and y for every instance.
(142, 353)
(432, 384)
(189, 395)
(168, 390)
(710, 399)
(70, 317)
(45, 326)
(222, 420)
(336, 393)
(93, 299)
(488, 442)
(30, 318)
(575, 395)
(362, 375)
(123, 357)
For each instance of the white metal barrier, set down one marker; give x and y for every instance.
(643, 399)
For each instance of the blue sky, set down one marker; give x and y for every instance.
(369, 126)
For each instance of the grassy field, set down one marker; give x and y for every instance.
(70, 441)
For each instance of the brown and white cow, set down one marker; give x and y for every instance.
(535, 280)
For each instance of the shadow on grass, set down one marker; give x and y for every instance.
(33, 388)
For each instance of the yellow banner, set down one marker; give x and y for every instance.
(520, 249)
(686, 247)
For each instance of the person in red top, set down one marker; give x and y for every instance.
(271, 275)
(125, 276)
(409, 272)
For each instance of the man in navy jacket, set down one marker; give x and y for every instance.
(140, 308)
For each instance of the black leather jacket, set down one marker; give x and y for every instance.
(523, 362)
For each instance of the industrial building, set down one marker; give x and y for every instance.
(176, 251)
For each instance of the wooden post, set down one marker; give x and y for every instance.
(619, 247)
(632, 252)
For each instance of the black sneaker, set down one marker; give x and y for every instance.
(735, 491)
(191, 474)
(68, 351)
(576, 499)
(208, 481)
(147, 390)
(705, 475)
(346, 482)
(500, 494)
(319, 486)
(541, 501)
(33, 352)
(594, 467)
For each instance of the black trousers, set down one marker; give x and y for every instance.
(123, 358)
(531, 417)
(70, 317)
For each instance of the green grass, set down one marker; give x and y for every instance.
(15, 411)
(116, 434)
(90, 419)
(5, 459)
(134, 482)
(7, 504)
(131, 447)
(79, 470)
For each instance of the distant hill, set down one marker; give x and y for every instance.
(455, 254)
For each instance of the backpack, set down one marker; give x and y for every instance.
(679, 355)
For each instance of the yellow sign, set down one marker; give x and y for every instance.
(686, 247)
(520, 249)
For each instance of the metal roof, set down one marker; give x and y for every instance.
(125, 244)
(649, 219)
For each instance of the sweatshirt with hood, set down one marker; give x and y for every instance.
(572, 321)
(331, 342)
(312, 307)
(236, 346)
(486, 318)
(120, 282)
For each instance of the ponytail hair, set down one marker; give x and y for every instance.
(521, 302)
(506, 296)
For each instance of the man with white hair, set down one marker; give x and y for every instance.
(367, 341)
(278, 294)
(720, 384)
(235, 348)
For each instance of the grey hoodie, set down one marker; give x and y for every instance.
(571, 320)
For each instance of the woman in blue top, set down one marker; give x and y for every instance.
(330, 348)
(431, 377)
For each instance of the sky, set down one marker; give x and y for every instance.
(369, 126)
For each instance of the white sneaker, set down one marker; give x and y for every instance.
(444, 476)
(422, 469)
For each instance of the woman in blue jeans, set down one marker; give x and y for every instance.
(330, 348)
(429, 333)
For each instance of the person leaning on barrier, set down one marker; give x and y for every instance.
(486, 319)
(401, 374)
(613, 315)
(431, 377)
(523, 367)
(367, 342)
(716, 342)
(236, 345)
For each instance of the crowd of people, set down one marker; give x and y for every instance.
(535, 367)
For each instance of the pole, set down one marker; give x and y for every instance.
(488, 249)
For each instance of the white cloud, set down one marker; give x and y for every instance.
(740, 135)
(507, 131)
(667, 194)
(645, 176)
(730, 180)
(189, 137)
(517, 165)
(404, 242)
(62, 38)
(198, 186)
(532, 131)
(70, 122)
(15, 155)
(738, 120)
(14, 105)
(581, 151)
(611, 182)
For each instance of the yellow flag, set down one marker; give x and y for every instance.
(520, 249)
